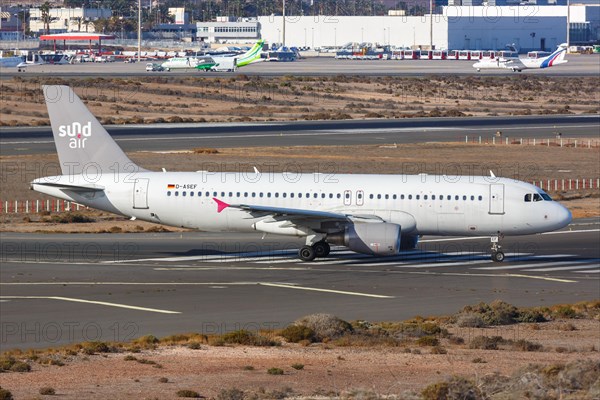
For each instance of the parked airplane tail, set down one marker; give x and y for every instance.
(558, 57)
(252, 55)
(82, 143)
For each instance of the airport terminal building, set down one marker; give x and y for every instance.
(457, 27)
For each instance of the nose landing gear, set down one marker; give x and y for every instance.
(497, 253)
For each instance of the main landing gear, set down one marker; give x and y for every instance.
(497, 254)
(319, 249)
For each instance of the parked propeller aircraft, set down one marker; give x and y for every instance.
(204, 63)
(517, 64)
(371, 214)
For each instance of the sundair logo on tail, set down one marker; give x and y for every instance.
(77, 133)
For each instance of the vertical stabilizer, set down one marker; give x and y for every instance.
(558, 57)
(82, 143)
(252, 55)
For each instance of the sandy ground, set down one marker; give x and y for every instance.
(328, 369)
(242, 98)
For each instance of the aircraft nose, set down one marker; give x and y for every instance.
(561, 216)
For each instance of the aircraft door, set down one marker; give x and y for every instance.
(347, 197)
(360, 198)
(140, 193)
(496, 198)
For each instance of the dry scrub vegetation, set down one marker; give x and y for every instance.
(243, 99)
(473, 354)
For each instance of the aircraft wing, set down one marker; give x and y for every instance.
(513, 63)
(297, 214)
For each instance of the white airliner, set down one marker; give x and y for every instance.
(517, 64)
(371, 214)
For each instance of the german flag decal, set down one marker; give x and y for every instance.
(170, 186)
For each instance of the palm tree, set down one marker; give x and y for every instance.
(45, 11)
(86, 22)
(79, 21)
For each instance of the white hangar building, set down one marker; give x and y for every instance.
(530, 27)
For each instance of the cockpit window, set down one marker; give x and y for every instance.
(537, 197)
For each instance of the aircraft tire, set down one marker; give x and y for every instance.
(498, 256)
(321, 248)
(307, 253)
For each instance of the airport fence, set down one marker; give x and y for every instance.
(59, 206)
(39, 206)
(581, 143)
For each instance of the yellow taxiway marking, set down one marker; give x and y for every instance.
(102, 303)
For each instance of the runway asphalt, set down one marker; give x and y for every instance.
(56, 289)
(578, 65)
(23, 141)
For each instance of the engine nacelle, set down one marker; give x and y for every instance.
(381, 239)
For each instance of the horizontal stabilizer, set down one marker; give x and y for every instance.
(73, 188)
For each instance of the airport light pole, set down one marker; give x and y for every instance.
(430, 24)
(17, 15)
(568, 25)
(283, 41)
(139, 55)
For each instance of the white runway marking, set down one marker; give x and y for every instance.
(101, 303)
(589, 271)
(558, 268)
(577, 231)
(543, 278)
(523, 266)
(377, 296)
(287, 285)
(433, 265)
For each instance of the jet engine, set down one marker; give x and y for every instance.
(381, 239)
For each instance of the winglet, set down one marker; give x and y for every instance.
(221, 205)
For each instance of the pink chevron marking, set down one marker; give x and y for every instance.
(221, 205)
